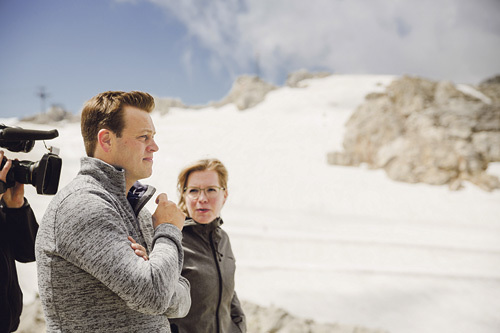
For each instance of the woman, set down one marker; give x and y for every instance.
(209, 263)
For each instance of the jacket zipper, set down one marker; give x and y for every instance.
(216, 258)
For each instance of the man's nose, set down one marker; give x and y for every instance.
(154, 147)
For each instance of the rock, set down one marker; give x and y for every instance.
(491, 88)
(56, 113)
(424, 131)
(32, 319)
(163, 104)
(259, 320)
(340, 158)
(487, 144)
(492, 80)
(246, 92)
(275, 320)
(294, 78)
(375, 125)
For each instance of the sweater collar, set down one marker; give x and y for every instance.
(112, 178)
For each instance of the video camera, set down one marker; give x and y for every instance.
(44, 174)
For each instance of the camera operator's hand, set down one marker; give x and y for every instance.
(14, 196)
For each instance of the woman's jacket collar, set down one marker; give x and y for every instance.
(200, 227)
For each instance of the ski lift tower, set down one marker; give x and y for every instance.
(43, 97)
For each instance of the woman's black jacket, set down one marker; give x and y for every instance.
(209, 265)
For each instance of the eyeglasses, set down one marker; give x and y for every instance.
(210, 192)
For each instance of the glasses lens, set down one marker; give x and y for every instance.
(193, 192)
(210, 192)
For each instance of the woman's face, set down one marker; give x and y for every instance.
(208, 205)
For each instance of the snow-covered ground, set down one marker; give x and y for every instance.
(331, 243)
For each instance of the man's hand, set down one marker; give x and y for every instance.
(139, 250)
(14, 196)
(167, 212)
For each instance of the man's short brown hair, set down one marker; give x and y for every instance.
(106, 111)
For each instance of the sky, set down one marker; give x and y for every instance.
(193, 50)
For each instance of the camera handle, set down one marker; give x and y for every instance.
(12, 133)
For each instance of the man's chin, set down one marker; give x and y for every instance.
(145, 175)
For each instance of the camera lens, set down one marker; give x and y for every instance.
(44, 174)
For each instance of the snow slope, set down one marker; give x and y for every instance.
(336, 244)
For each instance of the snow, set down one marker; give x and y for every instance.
(467, 89)
(331, 243)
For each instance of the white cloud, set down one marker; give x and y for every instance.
(445, 39)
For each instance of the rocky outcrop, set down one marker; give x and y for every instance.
(424, 131)
(294, 78)
(491, 88)
(56, 113)
(32, 319)
(246, 92)
(163, 104)
(259, 320)
(272, 319)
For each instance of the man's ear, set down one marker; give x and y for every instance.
(105, 139)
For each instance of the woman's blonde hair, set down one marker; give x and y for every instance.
(209, 164)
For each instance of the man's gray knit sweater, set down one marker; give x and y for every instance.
(89, 278)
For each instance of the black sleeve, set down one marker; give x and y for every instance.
(21, 229)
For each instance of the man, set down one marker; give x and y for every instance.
(17, 242)
(89, 279)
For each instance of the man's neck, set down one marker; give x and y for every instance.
(128, 185)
